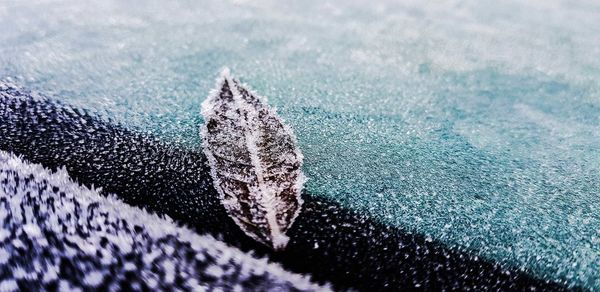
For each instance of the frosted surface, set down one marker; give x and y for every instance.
(475, 123)
(58, 235)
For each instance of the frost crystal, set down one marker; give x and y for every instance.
(255, 163)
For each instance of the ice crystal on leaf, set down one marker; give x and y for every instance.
(255, 163)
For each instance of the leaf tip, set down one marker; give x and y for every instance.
(225, 73)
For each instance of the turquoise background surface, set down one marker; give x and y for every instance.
(476, 123)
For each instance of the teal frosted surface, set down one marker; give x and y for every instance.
(474, 123)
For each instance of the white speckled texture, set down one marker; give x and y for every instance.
(56, 233)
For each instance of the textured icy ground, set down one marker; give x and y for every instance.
(57, 234)
(474, 123)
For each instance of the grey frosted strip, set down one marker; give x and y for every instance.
(58, 234)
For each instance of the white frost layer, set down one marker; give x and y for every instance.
(74, 237)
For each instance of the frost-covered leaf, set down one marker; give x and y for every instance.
(255, 163)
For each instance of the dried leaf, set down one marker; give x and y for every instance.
(255, 163)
